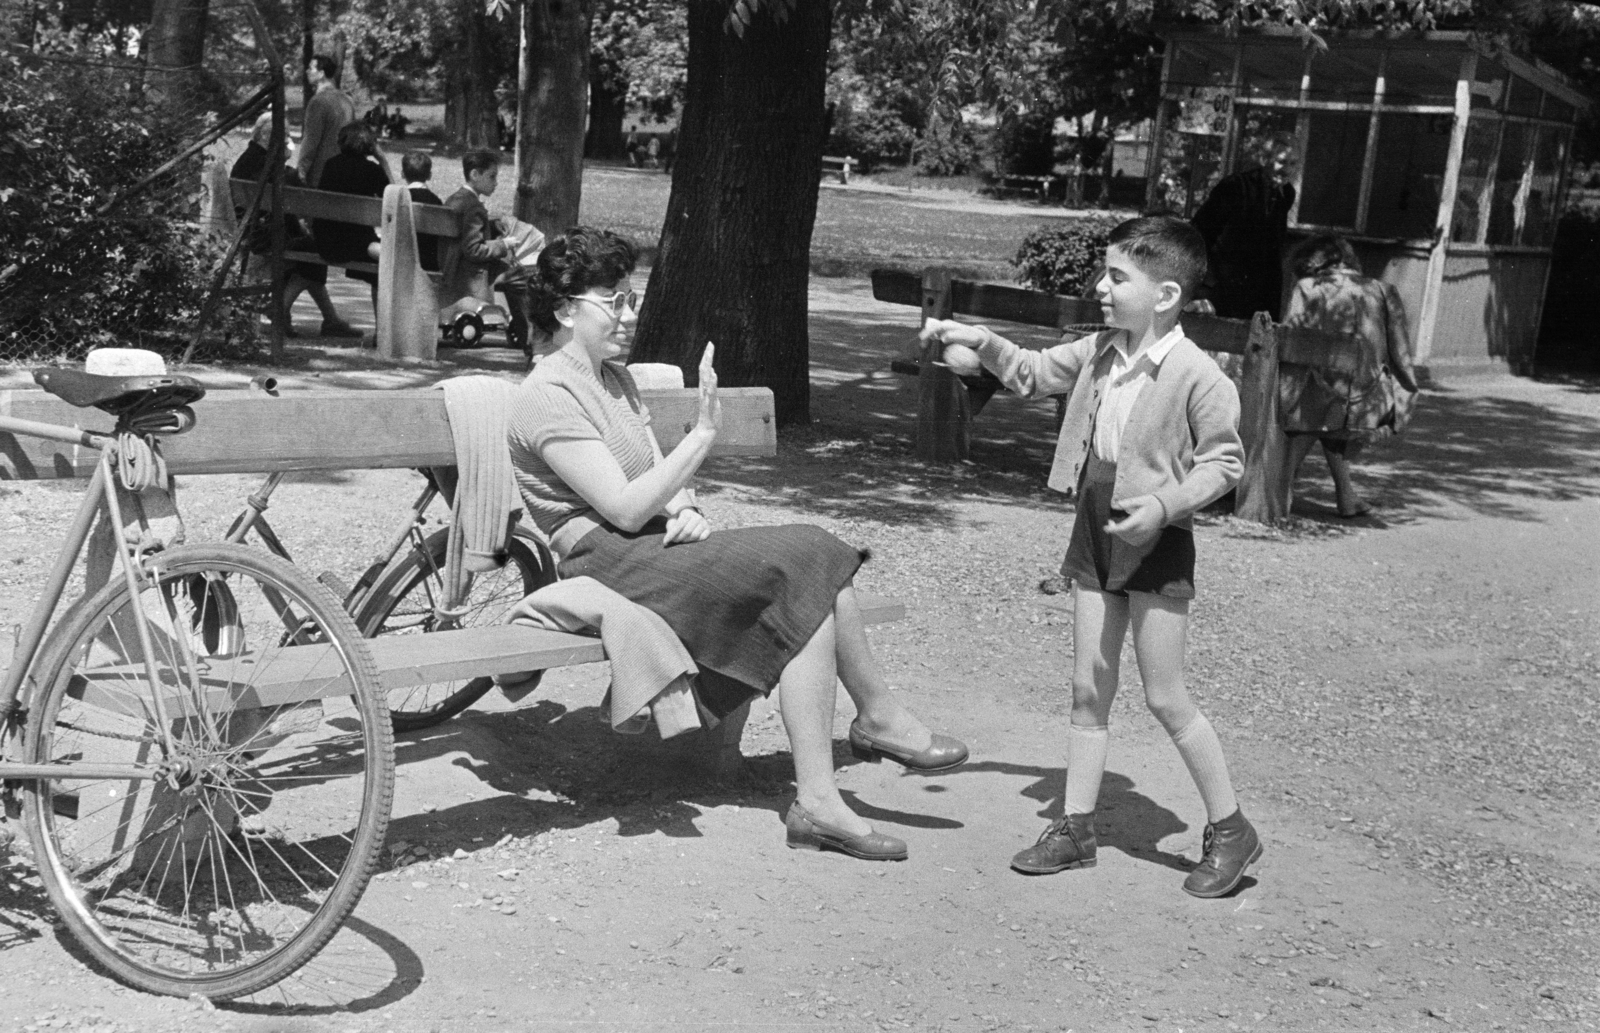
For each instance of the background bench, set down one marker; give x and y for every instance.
(1040, 185)
(408, 297)
(840, 166)
(248, 432)
(946, 402)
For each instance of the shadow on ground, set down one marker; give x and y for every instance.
(1491, 455)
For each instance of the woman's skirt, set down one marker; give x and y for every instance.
(743, 602)
(1100, 560)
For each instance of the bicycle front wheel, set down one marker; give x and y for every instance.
(403, 604)
(220, 857)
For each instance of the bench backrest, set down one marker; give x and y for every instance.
(433, 219)
(1036, 308)
(408, 302)
(251, 432)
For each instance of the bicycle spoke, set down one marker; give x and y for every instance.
(239, 860)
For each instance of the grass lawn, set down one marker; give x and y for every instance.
(852, 225)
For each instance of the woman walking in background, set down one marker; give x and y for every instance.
(1344, 410)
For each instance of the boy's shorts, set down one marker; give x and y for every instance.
(1102, 561)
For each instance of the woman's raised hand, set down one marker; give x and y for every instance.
(710, 405)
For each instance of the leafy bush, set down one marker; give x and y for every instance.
(874, 135)
(71, 137)
(1064, 258)
(949, 149)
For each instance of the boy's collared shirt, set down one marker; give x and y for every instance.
(1127, 377)
(1180, 441)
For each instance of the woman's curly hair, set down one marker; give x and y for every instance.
(576, 261)
(1322, 254)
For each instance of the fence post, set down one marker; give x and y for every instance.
(944, 413)
(1263, 494)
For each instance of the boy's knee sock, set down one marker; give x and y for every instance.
(1201, 750)
(1086, 763)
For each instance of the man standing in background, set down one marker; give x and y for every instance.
(328, 111)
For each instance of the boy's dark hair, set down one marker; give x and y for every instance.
(577, 260)
(327, 65)
(357, 138)
(474, 162)
(1322, 253)
(416, 167)
(1166, 247)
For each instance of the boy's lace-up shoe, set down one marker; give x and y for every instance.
(1068, 843)
(1228, 848)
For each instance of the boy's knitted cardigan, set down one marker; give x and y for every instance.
(1181, 443)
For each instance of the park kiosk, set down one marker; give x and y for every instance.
(1442, 158)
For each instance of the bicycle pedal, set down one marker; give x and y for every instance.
(334, 584)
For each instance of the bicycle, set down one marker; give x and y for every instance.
(198, 749)
(401, 594)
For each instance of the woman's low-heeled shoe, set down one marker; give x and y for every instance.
(806, 832)
(942, 754)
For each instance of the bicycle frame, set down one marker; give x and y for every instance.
(102, 492)
(253, 518)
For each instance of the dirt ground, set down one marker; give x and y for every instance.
(1407, 702)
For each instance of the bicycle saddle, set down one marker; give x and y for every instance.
(118, 395)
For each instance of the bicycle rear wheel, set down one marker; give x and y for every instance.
(403, 604)
(229, 863)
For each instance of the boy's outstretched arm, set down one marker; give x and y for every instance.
(1031, 374)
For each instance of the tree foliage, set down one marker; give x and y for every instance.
(1099, 60)
(72, 136)
(409, 48)
(639, 50)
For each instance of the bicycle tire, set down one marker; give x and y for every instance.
(403, 602)
(283, 807)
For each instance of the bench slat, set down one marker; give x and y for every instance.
(438, 220)
(247, 432)
(303, 673)
(313, 258)
(1036, 308)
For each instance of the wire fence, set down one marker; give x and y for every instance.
(104, 130)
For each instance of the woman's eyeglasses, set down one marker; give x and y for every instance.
(616, 304)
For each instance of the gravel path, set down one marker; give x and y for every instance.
(1406, 700)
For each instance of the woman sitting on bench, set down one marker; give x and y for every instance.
(356, 169)
(757, 607)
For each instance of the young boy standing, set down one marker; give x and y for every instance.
(1150, 436)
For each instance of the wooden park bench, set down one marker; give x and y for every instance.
(408, 296)
(244, 432)
(947, 403)
(840, 166)
(1040, 185)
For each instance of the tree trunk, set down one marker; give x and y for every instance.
(554, 106)
(308, 37)
(471, 111)
(178, 33)
(608, 106)
(736, 247)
